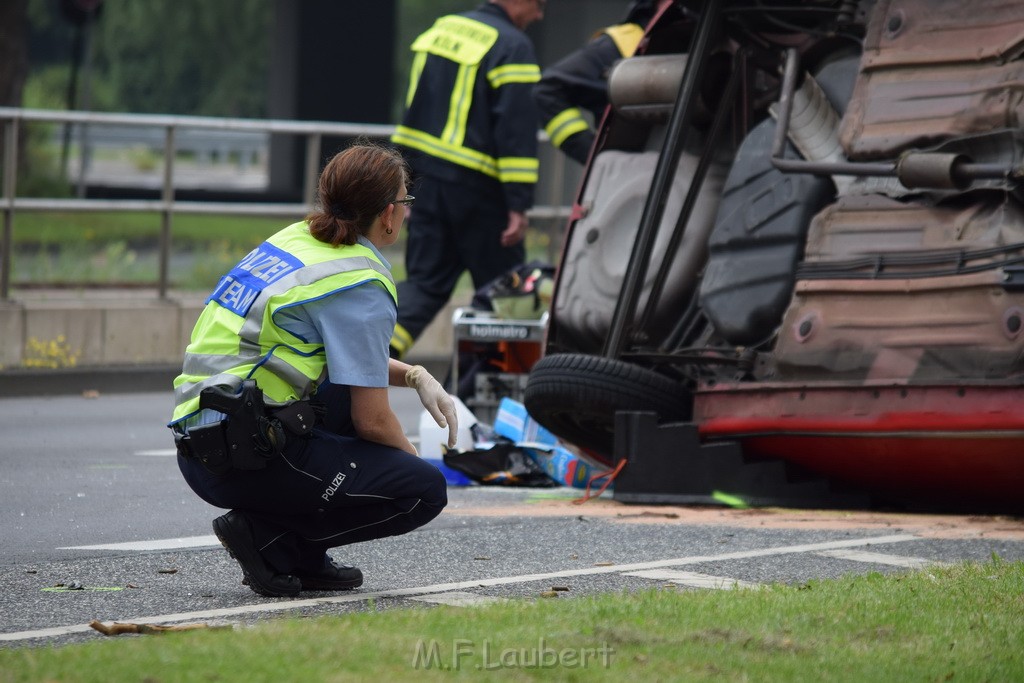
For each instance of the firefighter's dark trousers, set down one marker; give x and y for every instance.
(453, 228)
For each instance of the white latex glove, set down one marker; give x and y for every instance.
(435, 399)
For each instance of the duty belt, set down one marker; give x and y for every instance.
(249, 436)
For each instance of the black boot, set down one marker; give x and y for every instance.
(235, 533)
(332, 577)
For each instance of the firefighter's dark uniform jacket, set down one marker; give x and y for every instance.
(580, 81)
(469, 114)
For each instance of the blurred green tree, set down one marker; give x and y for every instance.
(186, 56)
(176, 56)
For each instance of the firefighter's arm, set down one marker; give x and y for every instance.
(575, 84)
(511, 76)
(515, 231)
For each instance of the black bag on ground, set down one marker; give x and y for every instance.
(503, 464)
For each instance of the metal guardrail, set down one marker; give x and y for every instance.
(207, 145)
(172, 127)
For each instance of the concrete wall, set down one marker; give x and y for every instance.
(40, 331)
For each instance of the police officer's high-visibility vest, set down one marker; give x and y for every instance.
(237, 337)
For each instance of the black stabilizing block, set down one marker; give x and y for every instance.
(667, 463)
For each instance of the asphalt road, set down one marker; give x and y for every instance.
(90, 496)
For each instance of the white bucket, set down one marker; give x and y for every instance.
(432, 438)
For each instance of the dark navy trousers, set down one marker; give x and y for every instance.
(328, 489)
(453, 228)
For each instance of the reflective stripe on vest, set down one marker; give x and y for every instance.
(565, 125)
(513, 73)
(237, 337)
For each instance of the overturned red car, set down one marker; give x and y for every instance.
(794, 274)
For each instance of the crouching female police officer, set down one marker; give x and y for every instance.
(281, 411)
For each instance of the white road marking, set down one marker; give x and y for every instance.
(693, 579)
(161, 544)
(289, 605)
(459, 599)
(880, 558)
(167, 452)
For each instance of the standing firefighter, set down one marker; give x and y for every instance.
(470, 134)
(281, 411)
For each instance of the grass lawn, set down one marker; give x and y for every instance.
(115, 248)
(121, 248)
(49, 229)
(959, 623)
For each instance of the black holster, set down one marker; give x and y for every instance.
(250, 435)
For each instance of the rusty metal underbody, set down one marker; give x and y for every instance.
(860, 307)
(932, 71)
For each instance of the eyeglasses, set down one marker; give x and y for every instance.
(408, 200)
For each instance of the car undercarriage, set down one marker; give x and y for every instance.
(799, 242)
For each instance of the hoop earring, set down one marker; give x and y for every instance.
(388, 230)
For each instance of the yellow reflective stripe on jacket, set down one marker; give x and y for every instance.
(460, 39)
(626, 37)
(518, 170)
(401, 340)
(456, 154)
(458, 109)
(414, 75)
(566, 124)
(513, 73)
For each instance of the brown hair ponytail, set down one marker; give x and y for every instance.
(355, 187)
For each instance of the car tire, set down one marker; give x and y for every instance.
(576, 396)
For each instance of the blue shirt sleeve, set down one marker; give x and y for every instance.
(355, 327)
